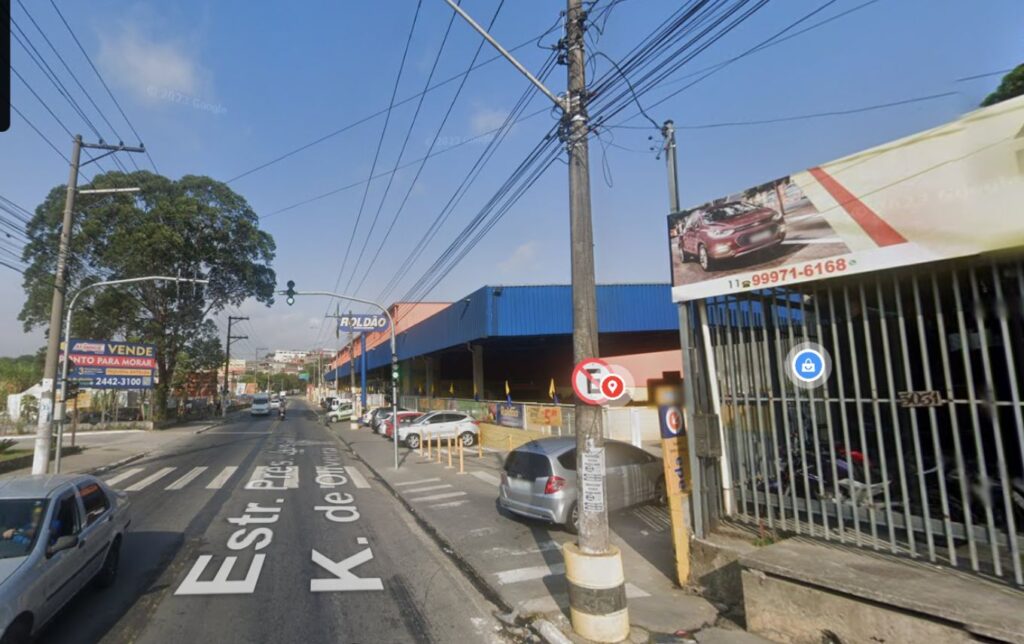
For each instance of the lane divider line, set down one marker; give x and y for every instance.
(149, 480)
(188, 478)
(438, 497)
(416, 482)
(429, 488)
(357, 477)
(450, 504)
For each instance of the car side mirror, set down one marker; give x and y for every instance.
(62, 543)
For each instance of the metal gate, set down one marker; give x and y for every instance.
(915, 442)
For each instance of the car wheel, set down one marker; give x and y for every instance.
(660, 493)
(412, 441)
(108, 573)
(467, 438)
(704, 259)
(572, 524)
(19, 632)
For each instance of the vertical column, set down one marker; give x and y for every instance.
(478, 370)
(362, 370)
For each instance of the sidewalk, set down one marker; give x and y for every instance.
(520, 559)
(104, 450)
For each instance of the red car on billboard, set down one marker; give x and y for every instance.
(729, 230)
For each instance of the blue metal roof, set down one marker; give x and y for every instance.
(517, 311)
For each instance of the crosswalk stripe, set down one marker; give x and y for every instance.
(416, 482)
(486, 477)
(438, 497)
(357, 477)
(429, 488)
(450, 504)
(188, 478)
(123, 475)
(222, 478)
(149, 480)
(517, 575)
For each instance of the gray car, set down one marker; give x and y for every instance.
(57, 533)
(539, 479)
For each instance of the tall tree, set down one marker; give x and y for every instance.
(192, 227)
(1011, 85)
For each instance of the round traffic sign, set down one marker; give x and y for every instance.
(673, 419)
(587, 378)
(612, 386)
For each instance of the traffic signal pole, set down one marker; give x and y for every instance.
(290, 298)
(593, 566)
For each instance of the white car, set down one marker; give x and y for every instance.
(340, 410)
(57, 534)
(260, 405)
(440, 424)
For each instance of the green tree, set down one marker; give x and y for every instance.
(194, 227)
(1011, 85)
(17, 375)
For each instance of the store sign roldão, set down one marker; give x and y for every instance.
(952, 191)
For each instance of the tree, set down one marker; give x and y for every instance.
(192, 227)
(1011, 85)
(17, 375)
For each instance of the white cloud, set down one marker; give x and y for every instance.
(151, 68)
(522, 258)
(485, 119)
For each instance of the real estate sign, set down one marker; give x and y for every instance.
(953, 191)
(107, 364)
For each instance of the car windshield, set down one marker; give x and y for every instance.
(20, 520)
(729, 210)
(259, 400)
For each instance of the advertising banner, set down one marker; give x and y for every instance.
(949, 192)
(509, 415)
(106, 364)
(543, 416)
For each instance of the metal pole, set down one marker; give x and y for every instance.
(668, 130)
(44, 426)
(67, 348)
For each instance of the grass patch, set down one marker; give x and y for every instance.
(13, 454)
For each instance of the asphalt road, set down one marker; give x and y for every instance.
(237, 537)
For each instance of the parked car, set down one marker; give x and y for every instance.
(539, 479)
(440, 424)
(404, 418)
(340, 410)
(730, 230)
(260, 405)
(375, 416)
(275, 402)
(57, 534)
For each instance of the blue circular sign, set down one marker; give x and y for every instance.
(808, 365)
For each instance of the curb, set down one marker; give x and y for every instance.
(116, 464)
(548, 632)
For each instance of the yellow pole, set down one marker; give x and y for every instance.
(449, 452)
(427, 438)
(509, 438)
(480, 445)
(421, 448)
(438, 439)
(461, 469)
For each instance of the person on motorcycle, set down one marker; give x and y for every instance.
(280, 410)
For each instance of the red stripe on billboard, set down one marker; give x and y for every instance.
(877, 229)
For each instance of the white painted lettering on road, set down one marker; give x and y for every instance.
(341, 511)
(220, 584)
(344, 580)
(274, 477)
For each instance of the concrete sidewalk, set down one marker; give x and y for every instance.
(520, 559)
(104, 450)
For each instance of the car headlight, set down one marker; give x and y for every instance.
(718, 234)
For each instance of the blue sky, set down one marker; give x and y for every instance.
(218, 88)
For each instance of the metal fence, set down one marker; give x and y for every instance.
(914, 444)
(555, 420)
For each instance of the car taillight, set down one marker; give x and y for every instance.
(554, 484)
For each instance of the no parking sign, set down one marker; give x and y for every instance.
(595, 383)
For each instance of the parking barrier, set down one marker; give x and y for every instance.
(461, 465)
(508, 438)
(449, 452)
(429, 451)
(438, 439)
(479, 446)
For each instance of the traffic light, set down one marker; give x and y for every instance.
(70, 389)
(394, 369)
(290, 293)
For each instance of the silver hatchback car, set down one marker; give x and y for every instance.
(539, 479)
(57, 533)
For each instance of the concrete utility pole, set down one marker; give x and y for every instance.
(48, 403)
(668, 130)
(597, 595)
(352, 369)
(227, 362)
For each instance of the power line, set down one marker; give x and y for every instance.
(104, 83)
(814, 115)
(376, 154)
(985, 75)
(381, 112)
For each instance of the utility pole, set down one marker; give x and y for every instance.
(352, 369)
(227, 361)
(258, 364)
(597, 596)
(668, 130)
(48, 403)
